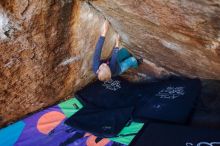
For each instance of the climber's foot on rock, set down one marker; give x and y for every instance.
(139, 60)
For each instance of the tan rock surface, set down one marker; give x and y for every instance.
(45, 55)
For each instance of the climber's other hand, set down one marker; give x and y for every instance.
(117, 40)
(105, 27)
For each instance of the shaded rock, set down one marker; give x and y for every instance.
(207, 110)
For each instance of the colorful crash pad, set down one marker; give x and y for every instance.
(47, 128)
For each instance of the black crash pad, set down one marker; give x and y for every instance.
(115, 93)
(170, 100)
(102, 123)
(108, 106)
(156, 134)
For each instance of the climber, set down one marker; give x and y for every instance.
(120, 60)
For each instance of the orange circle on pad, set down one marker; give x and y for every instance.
(49, 121)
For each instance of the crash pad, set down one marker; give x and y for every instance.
(47, 128)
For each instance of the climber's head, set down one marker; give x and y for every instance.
(104, 72)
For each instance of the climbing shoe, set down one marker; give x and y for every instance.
(139, 61)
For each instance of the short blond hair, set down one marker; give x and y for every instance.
(104, 74)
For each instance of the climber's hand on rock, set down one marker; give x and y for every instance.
(117, 40)
(105, 28)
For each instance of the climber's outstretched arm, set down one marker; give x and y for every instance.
(99, 46)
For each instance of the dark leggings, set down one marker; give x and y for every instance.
(126, 60)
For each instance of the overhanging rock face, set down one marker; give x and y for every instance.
(46, 47)
(181, 36)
